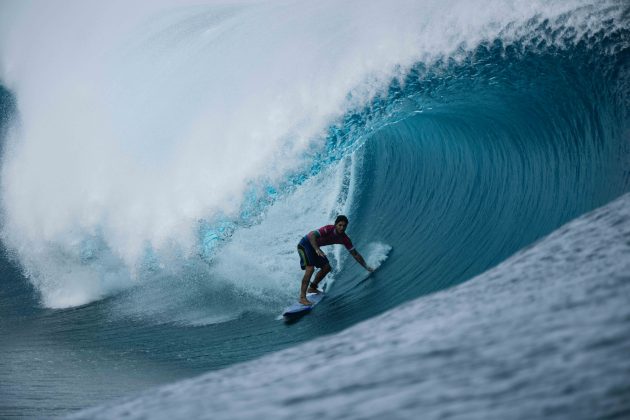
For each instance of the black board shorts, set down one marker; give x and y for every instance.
(308, 256)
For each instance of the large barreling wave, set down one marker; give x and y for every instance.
(162, 160)
(141, 155)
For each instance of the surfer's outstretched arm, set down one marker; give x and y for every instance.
(360, 260)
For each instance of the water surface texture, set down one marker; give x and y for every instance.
(161, 160)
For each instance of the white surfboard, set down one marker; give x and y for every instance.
(297, 309)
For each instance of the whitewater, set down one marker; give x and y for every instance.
(160, 161)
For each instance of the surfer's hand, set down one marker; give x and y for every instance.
(320, 253)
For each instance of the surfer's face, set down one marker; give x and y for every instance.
(341, 227)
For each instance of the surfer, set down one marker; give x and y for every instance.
(312, 256)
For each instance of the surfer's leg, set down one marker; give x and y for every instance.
(307, 254)
(318, 278)
(308, 273)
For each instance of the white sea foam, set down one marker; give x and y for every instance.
(376, 253)
(262, 257)
(136, 120)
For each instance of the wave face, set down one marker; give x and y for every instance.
(158, 171)
(485, 349)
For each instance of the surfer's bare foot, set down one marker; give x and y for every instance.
(312, 289)
(305, 301)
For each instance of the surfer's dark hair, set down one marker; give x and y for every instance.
(341, 218)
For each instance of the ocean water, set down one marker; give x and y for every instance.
(538, 336)
(161, 160)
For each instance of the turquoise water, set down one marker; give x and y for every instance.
(456, 163)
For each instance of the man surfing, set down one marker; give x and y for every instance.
(312, 256)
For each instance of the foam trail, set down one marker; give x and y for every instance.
(376, 254)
